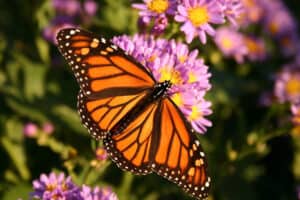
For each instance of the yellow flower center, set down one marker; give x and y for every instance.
(227, 43)
(51, 187)
(248, 3)
(198, 15)
(177, 98)
(293, 86)
(192, 78)
(196, 113)
(296, 131)
(273, 27)
(171, 75)
(158, 6)
(252, 46)
(182, 59)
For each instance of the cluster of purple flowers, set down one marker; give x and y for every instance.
(196, 16)
(287, 89)
(238, 45)
(170, 60)
(69, 13)
(31, 129)
(59, 187)
(273, 17)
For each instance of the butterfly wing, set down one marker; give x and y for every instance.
(99, 116)
(101, 68)
(131, 149)
(179, 156)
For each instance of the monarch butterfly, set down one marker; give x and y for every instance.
(121, 103)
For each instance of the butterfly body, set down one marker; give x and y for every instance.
(121, 103)
(155, 94)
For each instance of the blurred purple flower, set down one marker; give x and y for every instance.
(231, 43)
(279, 22)
(267, 98)
(298, 192)
(52, 186)
(289, 44)
(101, 154)
(97, 194)
(90, 7)
(287, 84)
(196, 16)
(232, 10)
(30, 129)
(152, 9)
(48, 128)
(252, 13)
(160, 24)
(170, 60)
(49, 32)
(66, 7)
(256, 48)
(295, 108)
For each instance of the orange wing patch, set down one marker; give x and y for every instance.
(100, 115)
(101, 68)
(130, 149)
(179, 156)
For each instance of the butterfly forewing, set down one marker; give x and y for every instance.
(101, 68)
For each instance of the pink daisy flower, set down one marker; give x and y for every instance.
(197, 17)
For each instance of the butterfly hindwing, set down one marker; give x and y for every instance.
(101, 68)
(179, 156)
(131, 149)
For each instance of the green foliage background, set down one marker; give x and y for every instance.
(250, 150)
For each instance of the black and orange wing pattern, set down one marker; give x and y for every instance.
(131, 149)
(101, 68)
(99, 116)
(179, 156)
(156, 138)
(111, 82)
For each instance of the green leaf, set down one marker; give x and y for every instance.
(20, 191)
(43, 49)
(69, 117)
(34, 77)
(17, 155)
(26, 110)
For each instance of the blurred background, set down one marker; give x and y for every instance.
(253, 147)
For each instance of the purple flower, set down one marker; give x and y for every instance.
(52, 186)
(48, 128)
(66, 7)
(295, 108)
(298, 192)
(160, 24)
(279, 22)
(256, 48)
(90, 7)
(289, 43)
(231, 43)
(30, 129)
(172, 61)
(97, 194)
(101, 154)
(253, 12)
(287, 84)
(232, 10)
(49, 32)
(196, 16)
(151, 9)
